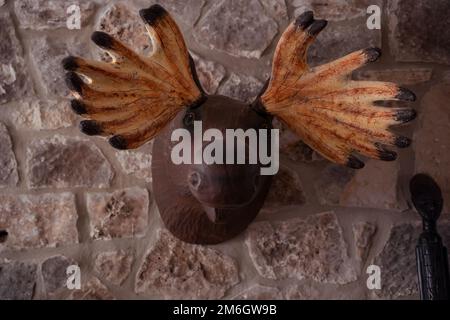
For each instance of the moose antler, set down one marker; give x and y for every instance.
(134, 97)
(331, 113)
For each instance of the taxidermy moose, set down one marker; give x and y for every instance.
(136, 98)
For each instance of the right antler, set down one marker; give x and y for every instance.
(331, 113)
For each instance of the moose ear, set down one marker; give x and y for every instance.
(331, 113)
(132, 98)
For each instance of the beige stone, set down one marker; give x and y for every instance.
(259, 292)
(301, 248)
(177, 270)
(240, 28)
(210, 73)
(122, 213)
(34, 221)
(93, 289)
(50, 14)
(9, 175)
(40, 115)
(62, 162)
(114, 266)
(241, 87)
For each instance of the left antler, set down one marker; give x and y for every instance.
(134, 97)
(331, 113)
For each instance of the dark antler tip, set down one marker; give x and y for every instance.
(118, 142)
(78, 107)
(405, 115)
(102, 39)
(405, 95)
(402, 142)
(317, 26)
(304, 20)
(372, 54)
(90, 127)
(74, 82)
(354, 163)
(152, 14)
(70, 63)
(387, 155)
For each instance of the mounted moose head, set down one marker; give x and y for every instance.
(136, 98)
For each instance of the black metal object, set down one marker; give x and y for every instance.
(431, 254)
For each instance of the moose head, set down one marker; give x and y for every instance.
(136, 98)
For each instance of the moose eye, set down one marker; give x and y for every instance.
(188, 119)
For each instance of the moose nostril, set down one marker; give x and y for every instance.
(194, 180)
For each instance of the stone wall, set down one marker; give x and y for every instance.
(68, 199)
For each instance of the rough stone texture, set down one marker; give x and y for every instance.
(114, 266)
(301, 152)
(332, 182)
(209, 73)
(259, 292)
(17, 280)
(241, 87)
(92, 290)
(302, 292)
(286, 189)
(40, 115)
(47, 54)
(54, 274)
(292, 146)
(310, 291)
(339, 39)
(363, 233)
(420, 32)
(298, 248)
(14, 80)
(335, 10)
(431, 139)
(123, 213)
(187, 11)
(178, 270)
(8, 164)
(33, 221)
(238, 27)
(403, 76)
(50, 14)
(398, 262)
(375, 186)
(122, 21)
(137, 163)
(276, 8)
(62, 162)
